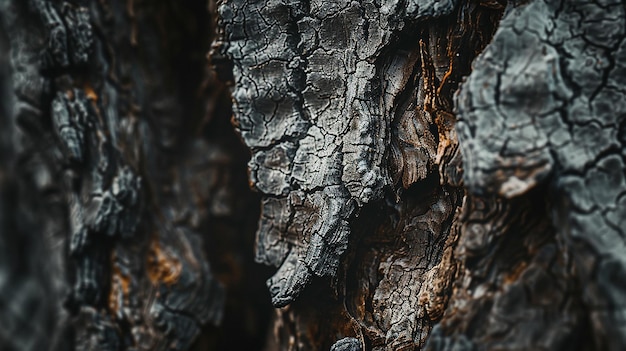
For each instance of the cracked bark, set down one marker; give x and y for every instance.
(438, 175)
(503, 236)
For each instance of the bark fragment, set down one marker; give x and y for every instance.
(297, 67)
(344, 105)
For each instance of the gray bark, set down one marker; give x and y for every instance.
(544, 107)
(348, 110)
(436, 175)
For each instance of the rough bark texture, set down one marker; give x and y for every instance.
(344, 106)
(128, 175)
(437, 175)
(545, 107)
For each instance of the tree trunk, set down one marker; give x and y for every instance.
(430, 175)
(134, 209)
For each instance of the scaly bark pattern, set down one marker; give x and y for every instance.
(544, 108)
(347, 109)
(309, 103)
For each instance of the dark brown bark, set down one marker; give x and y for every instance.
(128, 177)
(438, 175)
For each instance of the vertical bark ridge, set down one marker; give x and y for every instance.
(540, 110)
(128, 179)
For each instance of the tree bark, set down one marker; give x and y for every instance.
(427, 175)
(126, 170)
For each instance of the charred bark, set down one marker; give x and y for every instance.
(127, 172)
(351, 113)
(437, 175)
